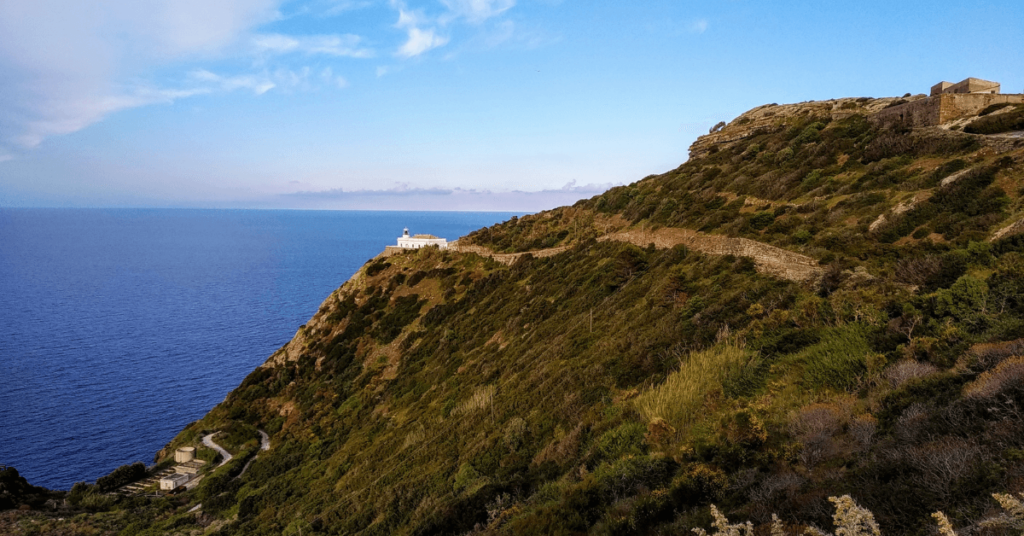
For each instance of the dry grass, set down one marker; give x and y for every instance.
(684, 391)
(480, 399)
(907, 370)
(1006, 374)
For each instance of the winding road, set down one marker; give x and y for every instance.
(208, 441)
(225, 455)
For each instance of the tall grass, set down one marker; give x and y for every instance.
(679, 398)
(839, 361)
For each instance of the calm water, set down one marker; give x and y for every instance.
(119, 327)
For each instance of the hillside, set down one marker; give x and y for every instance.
(814, 304)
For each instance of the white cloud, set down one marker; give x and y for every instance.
(257, 84)
(421, 41)
(63, 63)
(409, 19)
(478, 10)
(699, 26)
(327, 75)
(331, 45)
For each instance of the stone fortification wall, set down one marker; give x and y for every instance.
(941, 109)
(768, 259)
(505, 258)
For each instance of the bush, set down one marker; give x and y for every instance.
(377, 267)
(1007, 374)
(839, 360)
(993, 107)
(761, 220)
(995, 124)
(679, 398)
(126, 474)
(627, 439)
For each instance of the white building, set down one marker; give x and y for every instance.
(173, 482)
(420, 240)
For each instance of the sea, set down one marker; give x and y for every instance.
(118, 327)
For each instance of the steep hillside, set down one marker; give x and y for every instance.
(812, 305)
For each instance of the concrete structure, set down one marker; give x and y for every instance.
(969, 85)
(948, 102)
(173, 482)
(184, 454)
(189, 468)
(421, 240)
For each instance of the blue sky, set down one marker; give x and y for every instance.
(433, 104)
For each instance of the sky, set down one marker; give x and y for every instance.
(516, 105)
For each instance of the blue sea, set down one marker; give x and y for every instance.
(119, 327)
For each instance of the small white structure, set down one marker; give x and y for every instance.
(184, 454)
(420, 240)
(173, 482)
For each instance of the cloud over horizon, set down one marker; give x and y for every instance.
(402, 196)
(66, 65)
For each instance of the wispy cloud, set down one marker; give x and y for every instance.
(346, 45)
(476, 11)
(328, 76)
(402, 196)
(423, 31)
(405, 189)
(257, 84)
(63, 64)
(420, 41)
(699, 26)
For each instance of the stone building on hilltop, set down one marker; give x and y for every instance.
(947, 103)
(968, 85)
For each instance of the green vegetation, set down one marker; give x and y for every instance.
(621, 389)
(996, 124)
(126, 474)
(15, 491)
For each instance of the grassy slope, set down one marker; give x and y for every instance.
(618, 389)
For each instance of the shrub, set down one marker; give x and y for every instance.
(377, 267)
(126, 474)
(993, 107)
(815, 426)
(679, 398)
(627, 475)
(761, 220)
(995, 124)
(839, 360)
(907, 370)
(699, 484)
(1007, 374)
(989, 355)
(627, 439)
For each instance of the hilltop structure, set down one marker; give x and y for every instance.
(948, 102)
(421, 240)
(968, 85)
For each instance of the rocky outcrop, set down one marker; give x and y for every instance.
(771, 117)
(1016, 227)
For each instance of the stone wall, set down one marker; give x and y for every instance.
(941, 109)
(768, 259)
